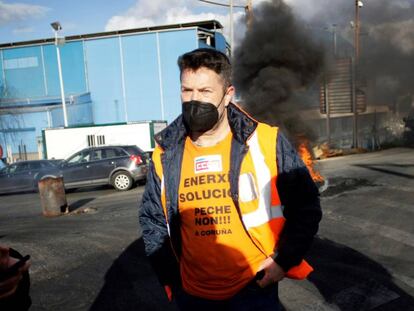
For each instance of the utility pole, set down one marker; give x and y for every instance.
(358, 5)
(58, 42)
(334, 39)
(327, 109)
(231, 26)
(249, 13)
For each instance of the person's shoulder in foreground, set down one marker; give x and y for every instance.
(14, 286)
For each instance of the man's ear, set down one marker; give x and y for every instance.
(229, 94)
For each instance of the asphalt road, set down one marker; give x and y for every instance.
(90, 258)
(364, 254)
(93, 257)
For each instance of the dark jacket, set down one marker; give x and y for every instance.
(20, 300)
(297, 192)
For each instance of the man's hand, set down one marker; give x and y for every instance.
(273, 272)
(8, 287)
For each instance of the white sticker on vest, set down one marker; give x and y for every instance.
(210, 163)
(247, 188)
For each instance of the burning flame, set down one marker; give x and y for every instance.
(307, 158)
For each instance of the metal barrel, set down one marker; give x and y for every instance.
(52, 196)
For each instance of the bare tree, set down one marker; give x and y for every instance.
(10, 119)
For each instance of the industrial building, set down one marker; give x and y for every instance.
(111, 77)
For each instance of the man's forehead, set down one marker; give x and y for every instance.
(200, 70)
(202, 73)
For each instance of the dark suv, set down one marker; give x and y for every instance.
(119, 166)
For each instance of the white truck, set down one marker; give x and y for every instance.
(60, 143)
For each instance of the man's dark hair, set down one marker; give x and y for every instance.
(208, 58)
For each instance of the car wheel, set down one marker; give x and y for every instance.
(122, 181)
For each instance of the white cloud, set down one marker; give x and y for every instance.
(23, 30)
(148, 13)
(10, 12)
(145, 13)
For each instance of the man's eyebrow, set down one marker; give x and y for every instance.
(206, 87)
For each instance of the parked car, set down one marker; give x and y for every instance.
(119, 166)
(24, 175)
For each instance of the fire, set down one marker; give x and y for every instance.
(307, 158)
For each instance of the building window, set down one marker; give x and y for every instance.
(101, 140)
(19, 63)
(91, 141)
(96, 140)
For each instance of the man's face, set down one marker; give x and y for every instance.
(205, 85)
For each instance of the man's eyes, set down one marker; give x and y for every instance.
(201, 91)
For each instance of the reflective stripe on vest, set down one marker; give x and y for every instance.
(265, 211)
(156, 160)
(265, 223)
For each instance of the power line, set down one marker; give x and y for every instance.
(223, 4)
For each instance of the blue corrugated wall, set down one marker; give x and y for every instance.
(130, 78)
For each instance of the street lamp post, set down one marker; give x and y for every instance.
(60, 41)
(249, 13)
(334, 39)
(231, 25)
(358, 5)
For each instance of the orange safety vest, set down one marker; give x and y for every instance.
(259, 202)
(264, 219)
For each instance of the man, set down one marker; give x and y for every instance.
(229, 209)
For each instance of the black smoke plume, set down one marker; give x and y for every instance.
(386, 42)
(275, 59)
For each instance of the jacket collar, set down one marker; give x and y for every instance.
(242, 126)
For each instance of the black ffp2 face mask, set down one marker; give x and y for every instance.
(199, 116)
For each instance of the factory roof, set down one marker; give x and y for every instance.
(209, 25)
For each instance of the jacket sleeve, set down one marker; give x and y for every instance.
(155, 232)
(300, 198)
